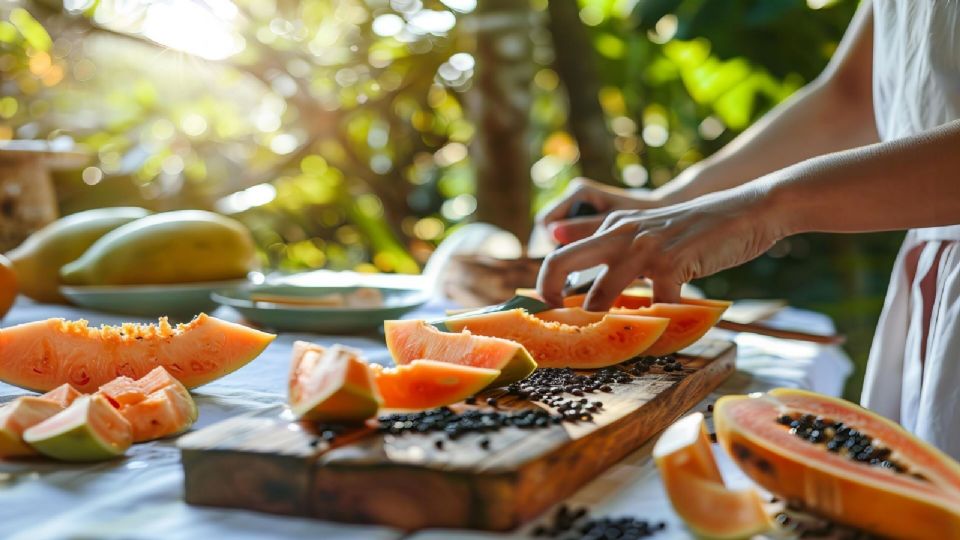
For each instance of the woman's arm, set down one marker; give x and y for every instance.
(908, 183)
(833, 113)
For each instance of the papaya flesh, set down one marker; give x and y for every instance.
(427, 384)
(414, 339)
(37, 261)
(63, 394)
(90, 429)
(611, 340)
(157, 405)
(42, 355)
(696, 490)
(688, 323)
(331, 385)
(173, 247)
(18, 416)
(842, 461)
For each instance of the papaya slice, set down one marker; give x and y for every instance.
(63, 395)
(414, 339)
(157, 405)
(842, 461)
(693, 483)
(90, 429)
(331, 385)
(611, 340)
(42, 355)
(427, 384)
(688, 323)
(18, 416)
(635, 298)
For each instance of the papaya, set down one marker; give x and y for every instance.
(64, 395)
(8, 286)
(90, 429)
(173, 247)
(44, 354)
(413, 339)
(610, 340)
(427, 384)
(842, 461)
(37, 261)
(157, 405)
(692, 480)
(640, 297)
(19, 415)
(688, 322)
(331, 385)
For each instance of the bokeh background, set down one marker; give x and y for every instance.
(357, 134)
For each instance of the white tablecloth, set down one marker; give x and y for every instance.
(141, 496)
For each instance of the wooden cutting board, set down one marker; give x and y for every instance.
(267, 463)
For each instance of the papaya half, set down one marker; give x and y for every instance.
(842, 461)
(173, 247)
(38, 259)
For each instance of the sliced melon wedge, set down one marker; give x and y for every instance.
(18, 416)
(610, 340)
(414, 339)
(90, 429)
(692, 480)
(331, 385)
(427, 384)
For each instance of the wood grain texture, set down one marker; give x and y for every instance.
(268, 463)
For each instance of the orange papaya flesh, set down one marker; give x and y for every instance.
(42, 355)
(688, 323)
(641, 298)
(20, 415)
(156, 405)
(331, 385)
(611, 340)
(63, 394)
(427, 384)
(695, 487)
(908, 490)
(413, 339)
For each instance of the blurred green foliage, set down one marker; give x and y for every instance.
(338, 130)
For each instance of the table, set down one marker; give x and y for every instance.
(141, 496)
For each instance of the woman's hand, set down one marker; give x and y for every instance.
(670, 245)
(604, 198)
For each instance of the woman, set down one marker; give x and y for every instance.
(872, 145)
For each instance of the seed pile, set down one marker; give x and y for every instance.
(807, 526)
(327, 433)
(548, 385)
(844, 440)
(452, 424)
(571, 524)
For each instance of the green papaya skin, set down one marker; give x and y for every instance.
(172, 247)
(18, 416)
(71, 435)
(37, 261)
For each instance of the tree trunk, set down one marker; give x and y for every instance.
(499, 104)
(575, 64)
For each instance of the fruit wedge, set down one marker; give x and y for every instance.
(688, 323)
(426, 384)
(157, 405)
(18, 416)
(611, 340)
(331, 385)
(842, 461)
(692, 480)
(42, 355)
(90, 429)
(414, 339)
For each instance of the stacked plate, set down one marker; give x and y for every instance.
(320, 309)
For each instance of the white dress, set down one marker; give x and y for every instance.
(913, 375)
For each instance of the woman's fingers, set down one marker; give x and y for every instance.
(579, 190)
(570, 230)
(580, 255)
(610, 284)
